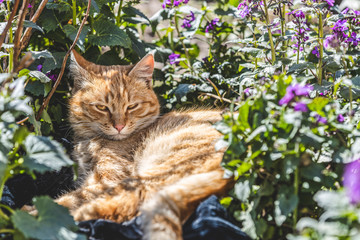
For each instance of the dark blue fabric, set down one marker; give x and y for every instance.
(210, 221)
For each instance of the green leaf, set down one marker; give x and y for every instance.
(33, 25)
(300, 67)
(42, 54)
(48, 20)
(36, 88)
(43, 154)
(108, 34)
(61, 6)
(71, 31)
(40, 76)
(284, 205)
(54, 62)
(53, 221)
(318, 104)
(242, 190)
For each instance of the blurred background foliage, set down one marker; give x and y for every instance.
(285, 72)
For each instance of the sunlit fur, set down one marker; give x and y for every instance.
(161, 166)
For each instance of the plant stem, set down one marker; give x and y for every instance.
(182, 42)
(321, 50)
(11, 39)
(296, 192)
(273, 57)
(118, 17)
(74, 12)
(7, 231)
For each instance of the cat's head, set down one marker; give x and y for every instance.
(112, 101)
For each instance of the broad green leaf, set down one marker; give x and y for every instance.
(108, 34)
(48, 20)
(42, 54)
(54, 62)
(284, 205)
(318, 104)
(71, 32)
(61, 6)
(33, 25)
(300, 67)
(40, 76)
(43, 154)
(53, 221)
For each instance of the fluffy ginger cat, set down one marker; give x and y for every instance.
(133, 160)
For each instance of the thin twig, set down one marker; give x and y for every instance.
(22, 121)
(18, 33)
(27, 35)
(217, 97)
(47, 100)
(4, 33)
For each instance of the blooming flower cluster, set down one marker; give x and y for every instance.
(211, 25)
(316, 52)
(174, 58)
(352, 181)
(301, 30)
(245, 7)
(174, 3)
(342, 33)
(188, 20)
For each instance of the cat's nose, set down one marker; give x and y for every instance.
(119, 127)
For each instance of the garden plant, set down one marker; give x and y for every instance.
(286, 73)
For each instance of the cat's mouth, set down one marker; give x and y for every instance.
(118, 136)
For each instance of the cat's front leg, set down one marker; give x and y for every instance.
(161, 219)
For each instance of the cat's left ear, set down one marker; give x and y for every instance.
(144, 69)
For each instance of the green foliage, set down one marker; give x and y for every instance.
(52, 222)
(229, 58)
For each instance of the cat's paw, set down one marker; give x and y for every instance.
(30, 209)
(161, 219)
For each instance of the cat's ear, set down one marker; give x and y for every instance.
(144, 69)
(79, 70)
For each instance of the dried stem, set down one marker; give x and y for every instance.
(58, 80)
(8, 25)
(26, 37)
(18, 33)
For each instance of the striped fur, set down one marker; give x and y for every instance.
(161, 166)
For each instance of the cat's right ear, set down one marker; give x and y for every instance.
(144, 69)
(79, 70)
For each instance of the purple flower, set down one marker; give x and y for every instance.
(320, 119)
(29, 6)
(247, 6)
(353, 39)
(295, 90)
(188, 20)
(170, 4)
(300, 107)
(287, 98)
(39, 67)
(1, 1)
(330, 2)
(352, 181)
(174, 58)
(247, 91)
(52, 76)
(302, 29)
(340, 118)
(331, 41)
(211, 25)
(316, 52)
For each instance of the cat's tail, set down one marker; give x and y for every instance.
(165, 213)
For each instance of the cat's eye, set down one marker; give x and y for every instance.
(133, 106)
(101, 107)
